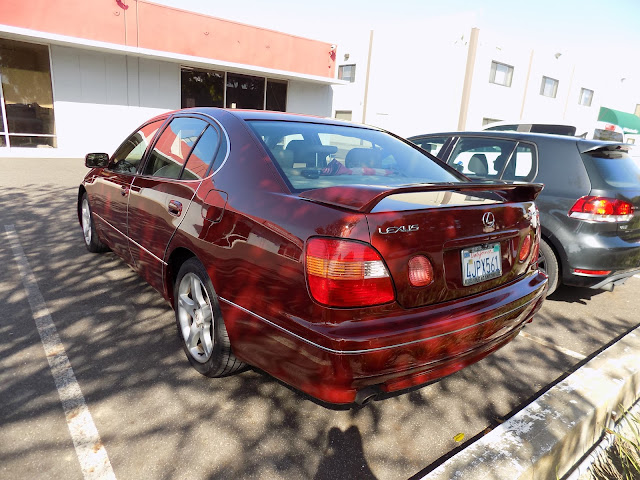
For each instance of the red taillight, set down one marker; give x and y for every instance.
(345, 273)
(581, 271)
(525, 250)
(536, 252)
(602, 209)
(420, 271)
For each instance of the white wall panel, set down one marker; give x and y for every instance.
(309, 98)
(100, 98)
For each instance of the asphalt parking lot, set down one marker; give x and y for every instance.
(158, 418)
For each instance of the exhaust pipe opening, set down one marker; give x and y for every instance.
(367, 394)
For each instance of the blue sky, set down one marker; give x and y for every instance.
(601, 26)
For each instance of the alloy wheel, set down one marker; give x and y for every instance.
(195, 315)
(86, 221)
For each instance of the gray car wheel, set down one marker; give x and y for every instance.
(201, 328)
(548, 263)
(91, 239)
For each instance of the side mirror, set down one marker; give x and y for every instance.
(96, 160)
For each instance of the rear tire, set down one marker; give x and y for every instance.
(201, 329)
(91, 238)
(548, 263)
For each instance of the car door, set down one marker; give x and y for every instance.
(109, 195)
(160, 197)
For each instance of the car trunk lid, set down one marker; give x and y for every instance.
(451, 225)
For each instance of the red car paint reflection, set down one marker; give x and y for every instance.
(250, 206)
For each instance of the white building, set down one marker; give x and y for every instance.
(442, 79)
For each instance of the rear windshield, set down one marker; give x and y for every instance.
(617, 170)
(312, 155)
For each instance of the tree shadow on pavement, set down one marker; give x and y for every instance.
(158, 418)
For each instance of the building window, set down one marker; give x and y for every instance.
(586, 97)
(343, 115)
(276, 96)
(347, 73)
(501, 74)
(26, 96)
(202, 88)
(207, 88)
(245, 91)
(549, 87)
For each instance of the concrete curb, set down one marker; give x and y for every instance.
(548, 438)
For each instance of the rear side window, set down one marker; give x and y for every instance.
(618, 171)
(202, 155)
(521, 166)
(311, 155)
(172, 148)
(481, 157)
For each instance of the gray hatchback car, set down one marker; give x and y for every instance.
(590, 205)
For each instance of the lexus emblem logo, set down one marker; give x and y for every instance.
(489, 220)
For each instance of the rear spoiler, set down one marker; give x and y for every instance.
(593, 147)
(363, 198)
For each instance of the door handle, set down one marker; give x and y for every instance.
(175, 208)
(124, 190)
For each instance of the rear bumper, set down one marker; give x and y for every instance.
(600, 252)
(393, 348)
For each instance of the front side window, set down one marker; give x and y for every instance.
(347, 73)
(586, 97)
(481, 157)
(173, 147)
(501, 74)
(130, 153)
(27, 117)
(549, 87)
(313, 156)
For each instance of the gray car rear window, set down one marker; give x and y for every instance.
(314, 155)
(619, 171)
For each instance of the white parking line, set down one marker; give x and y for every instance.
(560, 349)
(91, 453)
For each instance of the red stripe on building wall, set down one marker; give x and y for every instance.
(157, 27)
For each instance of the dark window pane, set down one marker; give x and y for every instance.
(202, 89)
(202, 155)
(32, 142)
(173, 147)
(26, 84)
(128, 156)
(3, 142)
(276, 96)
(244, 91)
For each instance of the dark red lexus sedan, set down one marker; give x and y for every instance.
(339, 258)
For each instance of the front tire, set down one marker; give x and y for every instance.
(199, 320)
(91, 239)
(548, 263)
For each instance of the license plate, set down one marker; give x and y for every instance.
(481, 263)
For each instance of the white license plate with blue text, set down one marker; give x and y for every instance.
(481, 263)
